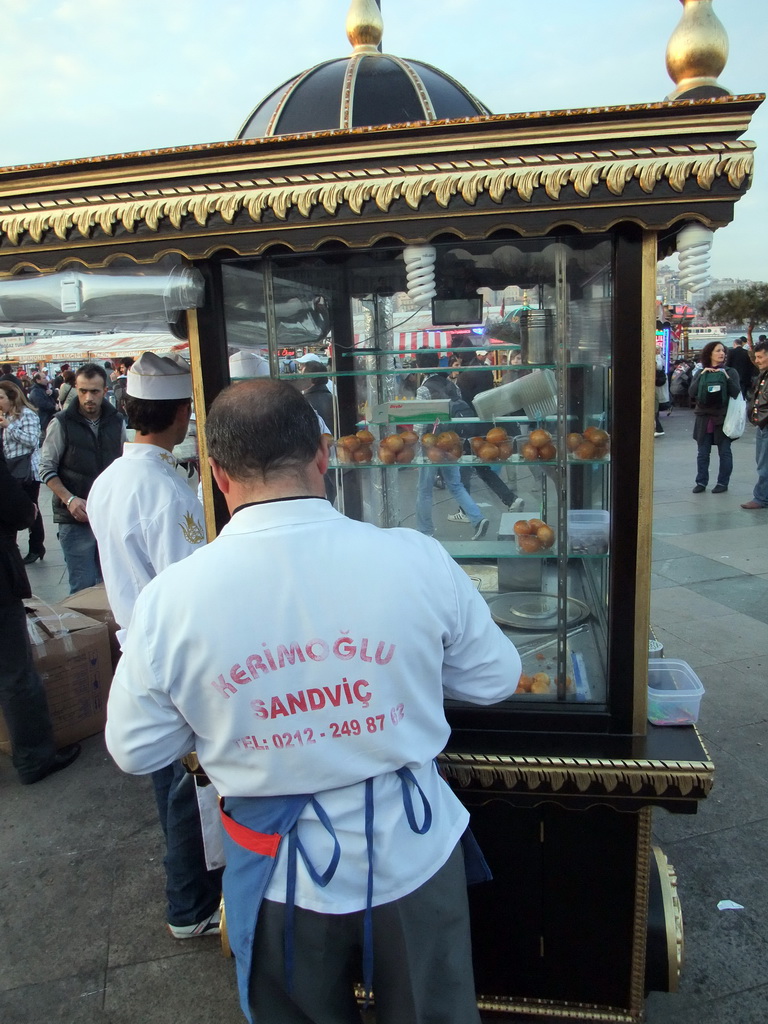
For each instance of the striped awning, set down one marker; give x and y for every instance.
(411, 341)
(82, 347)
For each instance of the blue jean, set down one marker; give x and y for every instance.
(81, 554)
(726, 460)
(22, 695)
(193, 892)
(760, 493)
(450, 475)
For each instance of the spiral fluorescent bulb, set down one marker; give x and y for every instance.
(420, 272)
(694, 243)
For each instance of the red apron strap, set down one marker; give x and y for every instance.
(256, 842)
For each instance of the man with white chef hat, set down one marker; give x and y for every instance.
(146, 517)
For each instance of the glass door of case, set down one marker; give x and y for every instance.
(471, 400)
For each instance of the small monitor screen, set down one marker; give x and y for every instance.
(454, 312)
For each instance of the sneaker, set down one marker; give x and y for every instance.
(719, 489)
(658, 433)
(210, 926)
(698, 489)
(480, 530)
(458, 517)
(517, 505)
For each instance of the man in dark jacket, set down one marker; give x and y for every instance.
(22, 696)
(738, 358)
(81, 442)
(478, 377)
(120, 384)
(41, 396)
(316, 392)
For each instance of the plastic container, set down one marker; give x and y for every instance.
(674, 692)
(588, 531)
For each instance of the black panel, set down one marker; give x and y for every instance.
(256, 125)
(557, 921)
(384, 94)
(447, 98)
(316, 104)
(627, 398)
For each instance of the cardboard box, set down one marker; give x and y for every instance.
(93, 603)
(72, 655)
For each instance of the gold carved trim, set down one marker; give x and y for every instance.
(673, 918)
(531, 129)
(544, 1008)
(642, 895)
(557, 1010)
(448, 182)
(552, 774)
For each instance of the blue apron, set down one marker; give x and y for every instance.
(254, 828)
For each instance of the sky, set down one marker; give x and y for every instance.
(93, 77)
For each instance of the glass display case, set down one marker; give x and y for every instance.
(532, 448)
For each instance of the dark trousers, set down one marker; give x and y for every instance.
(422, 960)
(725, 467)
(22, 695)
(37, 529)
(193, 892)
(491, 479)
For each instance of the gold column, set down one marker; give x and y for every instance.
(198, 394)
(645, 512)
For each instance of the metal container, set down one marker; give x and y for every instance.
(537, 335)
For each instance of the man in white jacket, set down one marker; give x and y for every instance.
(305, 657)
(145, 517)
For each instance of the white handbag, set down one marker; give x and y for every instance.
(735, 422)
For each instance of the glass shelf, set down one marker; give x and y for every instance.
(466, 461)
(406, 370)
(491, 549)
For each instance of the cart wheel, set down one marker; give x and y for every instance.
(224, 936)
(665, 941)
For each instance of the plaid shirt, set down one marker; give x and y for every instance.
(22, 437)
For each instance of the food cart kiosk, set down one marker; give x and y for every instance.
(306, 235)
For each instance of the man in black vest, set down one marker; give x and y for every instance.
(81, 442)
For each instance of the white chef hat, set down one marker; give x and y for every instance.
(160, 377)
(245, 363)
(312, 357)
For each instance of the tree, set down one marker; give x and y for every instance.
(743, 306)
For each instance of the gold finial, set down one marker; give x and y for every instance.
(365, 26)
(697, 52)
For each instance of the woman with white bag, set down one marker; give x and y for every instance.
(711, 388)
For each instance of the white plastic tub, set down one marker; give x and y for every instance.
(588, 531)
(674, 692)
